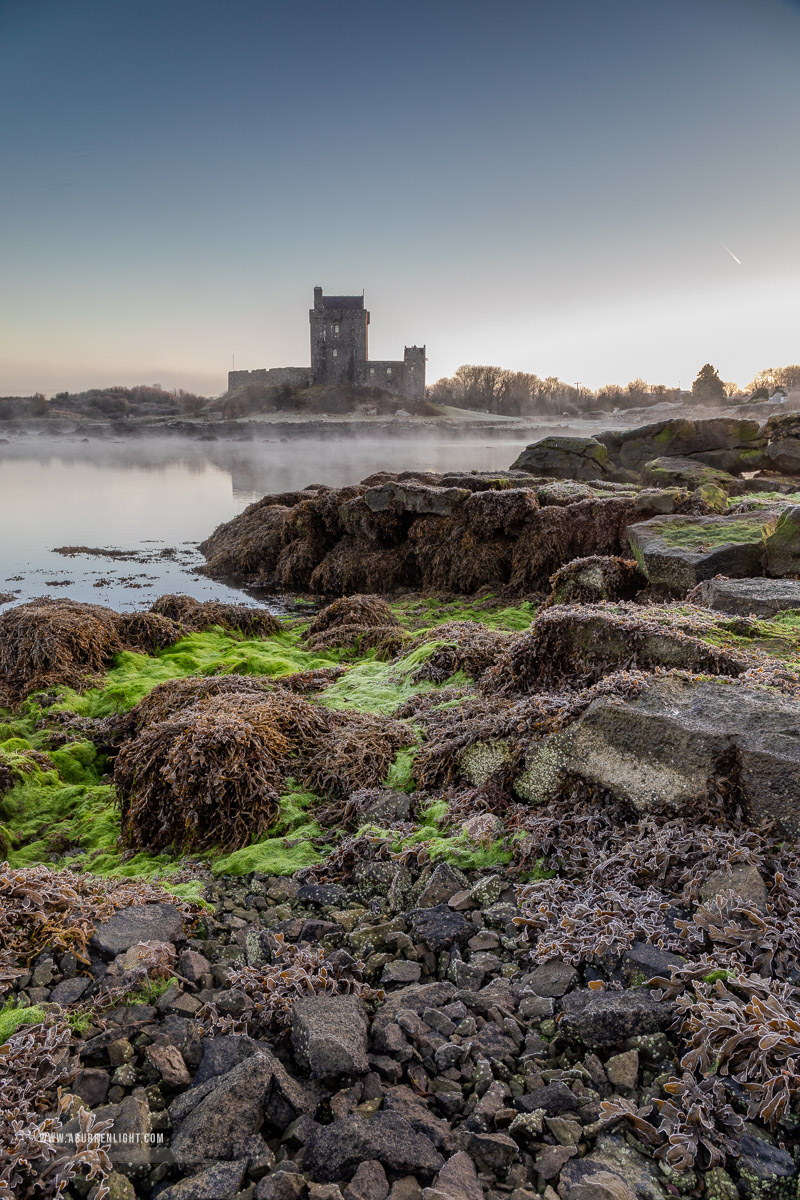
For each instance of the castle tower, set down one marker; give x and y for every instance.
(338, 338)
(414, 372)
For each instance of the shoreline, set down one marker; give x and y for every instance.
(271, 427)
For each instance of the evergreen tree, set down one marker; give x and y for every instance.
(708, 386)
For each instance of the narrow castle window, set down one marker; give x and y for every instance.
(336, 329)
(388, 370)
(372, 370)
(336, 354)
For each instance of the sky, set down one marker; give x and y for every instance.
(555, 186)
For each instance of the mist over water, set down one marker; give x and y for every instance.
(158, 499)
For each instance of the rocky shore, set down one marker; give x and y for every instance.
(486, 886)
(690, 500)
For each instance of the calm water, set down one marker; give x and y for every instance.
(158, 499)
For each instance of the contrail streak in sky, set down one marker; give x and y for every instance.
(733, 256)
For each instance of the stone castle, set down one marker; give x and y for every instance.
(339, 355)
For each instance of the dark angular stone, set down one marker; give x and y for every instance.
(643, 962)
(368, 1183)
(417, 997)
(315, 931)
(552, 978)
(337, 1150)
(221, 1181)
(444, 882)
(766, 1172)
(555, 1098)
(493, 1152)
(607, 1018)
(321, 895)
(69, 990)
(329, 1035)
(138, 923)
(224, 1122)
(439, 927)
(92, 1086)
(221, 1054)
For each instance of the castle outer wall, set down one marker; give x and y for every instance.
(271, 377)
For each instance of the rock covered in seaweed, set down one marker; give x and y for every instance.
(357, 622)
(419, 531)
(598, 577)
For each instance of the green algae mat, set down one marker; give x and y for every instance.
(59, 806)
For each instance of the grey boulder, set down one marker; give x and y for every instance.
(659, 750)
(222, 1181)
(689, 473)
(457, 1180)
(782, 547)
(566, 458)
(368, 1183)
(440, 926)
(139, 923)
(223, 1124)
(783, 455)
(747, 597)
(69, 990)
(417, 498)
(603, 1019)
(728, 443)
(613, 1157)
(329, 1035)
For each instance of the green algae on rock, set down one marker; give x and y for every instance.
(678, 552)
(731, 444)
(566, 458)
(783, 544)
(689, 473)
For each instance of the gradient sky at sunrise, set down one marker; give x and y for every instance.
(542, 185)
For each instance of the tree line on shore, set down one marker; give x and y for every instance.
(519, 393)
(481, 388)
